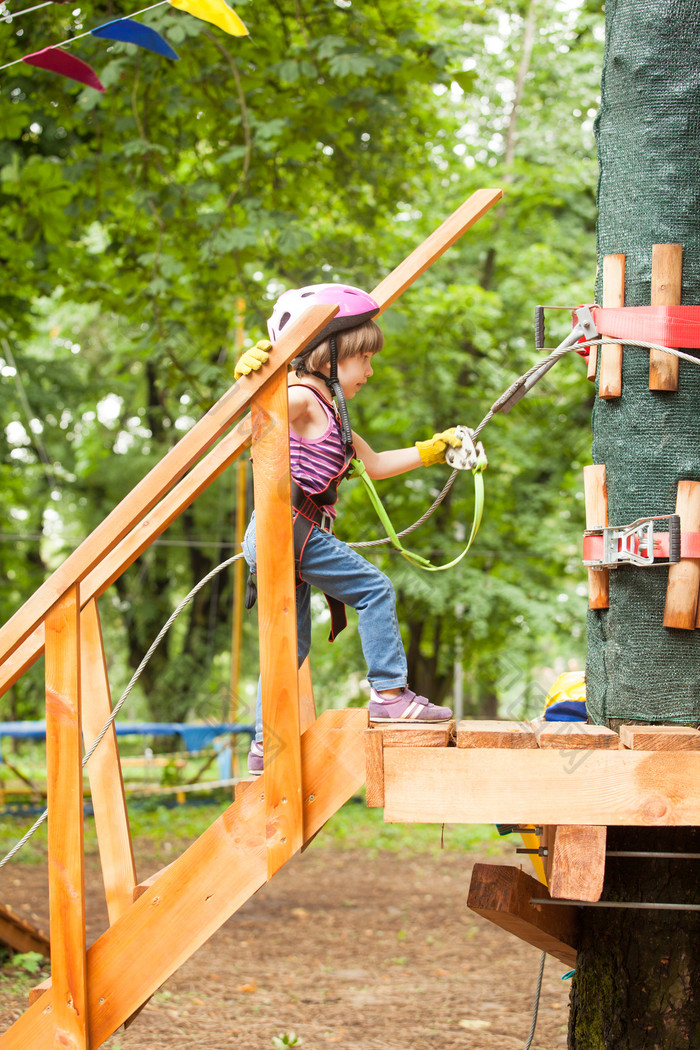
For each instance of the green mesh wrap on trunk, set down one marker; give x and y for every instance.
(648, 133)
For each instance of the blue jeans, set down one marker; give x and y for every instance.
(338, 570)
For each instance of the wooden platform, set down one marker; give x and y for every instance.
(546, 773)
(569, 779)
(20, 935)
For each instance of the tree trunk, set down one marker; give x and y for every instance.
(636, 981)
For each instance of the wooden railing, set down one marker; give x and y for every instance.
(315, 766)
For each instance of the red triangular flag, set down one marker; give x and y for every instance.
(58, 61)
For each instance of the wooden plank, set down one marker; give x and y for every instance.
(159, 480)
(681, 606)
(666, 283)
(660, 738)
(610, 382)
(476, 733)
(374, 753)
(307, 704)
(104, 770)
(570, 735)
(596, 497)
(502, 895)
(20, 935)
(200, 890)
(396, 283)
(277, 623)
(64, 783)
(404, 734)
(578, 862)
(456, 785)
(243, 786)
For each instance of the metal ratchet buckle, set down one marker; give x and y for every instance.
(469, 455)
(634, 544)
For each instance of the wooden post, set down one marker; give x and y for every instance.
(104, 770)
(596, 496)
(277, 619)
(610, 383)
(684, 577)
(666, 280)
(64, 786)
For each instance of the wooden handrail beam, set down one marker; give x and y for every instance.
(415, 264)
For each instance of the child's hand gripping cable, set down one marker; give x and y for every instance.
(434, 450)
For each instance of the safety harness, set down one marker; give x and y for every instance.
(310, 511)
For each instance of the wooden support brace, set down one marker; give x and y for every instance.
(666, 282)
(610, 383)
(502, 895)
(577, 870)
(596, 496)
(660, 738)
(64, 783)
(477, 733)
(681, 607)
(104, 771)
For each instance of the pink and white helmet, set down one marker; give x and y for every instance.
(356, 307)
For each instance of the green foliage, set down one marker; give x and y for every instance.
(30, 962)
(286, 1039)
(145, 231)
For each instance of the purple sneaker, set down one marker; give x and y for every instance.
(255, 759)
(406, 707)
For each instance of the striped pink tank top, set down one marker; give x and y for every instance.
(315, 461)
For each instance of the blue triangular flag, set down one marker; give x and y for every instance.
(131, 32)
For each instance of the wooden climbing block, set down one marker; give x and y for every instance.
(476, 733)
(596, 496)
(610, 381)
(577, 868)
(666, 282)
(502, 894)
(20, 935)
(681, 606)
(660, 738)
(568, 735)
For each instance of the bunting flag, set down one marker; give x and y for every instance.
(215, 11)
(58, 61)
(129, 31)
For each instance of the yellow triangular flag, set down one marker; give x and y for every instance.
(215, 11)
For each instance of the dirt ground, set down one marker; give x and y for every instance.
(343, 949)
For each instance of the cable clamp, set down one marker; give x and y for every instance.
(634, 544)
(470, 455)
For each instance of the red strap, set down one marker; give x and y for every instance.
(690, 546)
(675, 326)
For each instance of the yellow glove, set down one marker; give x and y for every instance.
(433, 450)
(253, 359)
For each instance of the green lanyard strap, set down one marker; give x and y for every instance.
(360, 471)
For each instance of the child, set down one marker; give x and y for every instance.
(336, 365)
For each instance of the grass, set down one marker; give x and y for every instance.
(165, 830)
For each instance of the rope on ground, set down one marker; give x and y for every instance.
(122, 700)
